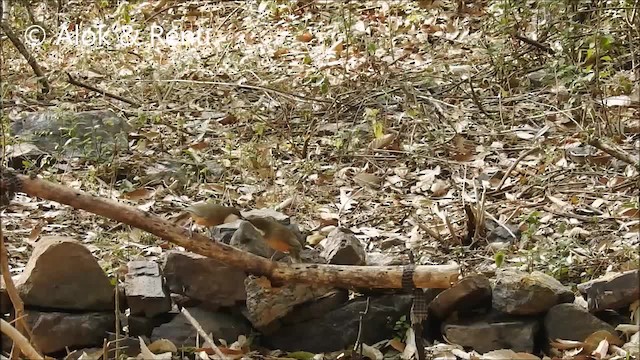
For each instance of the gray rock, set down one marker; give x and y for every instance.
(18, 154)
(62, 274)
(493, 332)
(143, 326)
(224, 232)
(88, 131)
(144, 289)
(469, 293)
(338, 329)
(389, 243)
(384, 259)
(221, 325)
(572, 322)
(520, 293)
(612, 317)
(317, 308)
(342, 248)
(53, 331)
(611, 291)
(203, 279)
(497, 233)
(267, 303)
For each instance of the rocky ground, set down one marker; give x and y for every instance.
(505, 141)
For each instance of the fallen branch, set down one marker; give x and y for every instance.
(424, 276)
(16, 301)
(75, 82)
(15, 40)
(19, 340)
(615, 152)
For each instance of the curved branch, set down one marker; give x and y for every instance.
(425, 276)
(19, 340)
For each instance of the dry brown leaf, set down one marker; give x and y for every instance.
(370, 180)
(315, 238)
(201, 145)
(162, 346)
(148, 354)
(139, 194)
(601, 350)
(280, 52)
(230, 119)
(305, 37)
(37, 230)
(397, 344)
(338, 48)
(630, 213)
(566, 344)
(439, 188)
(382, 142)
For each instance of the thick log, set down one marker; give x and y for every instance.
(424, 276)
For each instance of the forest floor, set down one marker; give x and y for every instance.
(384, 117)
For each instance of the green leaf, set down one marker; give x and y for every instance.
(324, 88)
(307, 60)
(378, 129)
(301, 355)
(499, 258)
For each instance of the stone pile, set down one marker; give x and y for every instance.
(71, 303)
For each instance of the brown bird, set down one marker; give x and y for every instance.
(210, 215)
(278, 236)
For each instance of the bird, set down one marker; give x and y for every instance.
(211, 215)
(278, 236)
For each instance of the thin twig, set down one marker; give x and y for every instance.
(476, 101)
(252, 87)
(501, 224)
(534, 43)
(15, 40)
(513, 166)
(19, 340)
(18, 305)
(615, 152)
(117, 315)
(202, 333)
(452, 231)
(424, 227)
(357, 348)
(75, 82)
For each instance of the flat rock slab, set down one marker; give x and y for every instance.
(222, 325)
(493, 332)
(343, 248)
(53, 331)
(520, 293)
(51, 129)
(572, 322)
(469, 293)
(611, 291)
(144, 288)
(318, 307)
(338, 329)
(266, 303)
(63, 274)
(206, 280)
